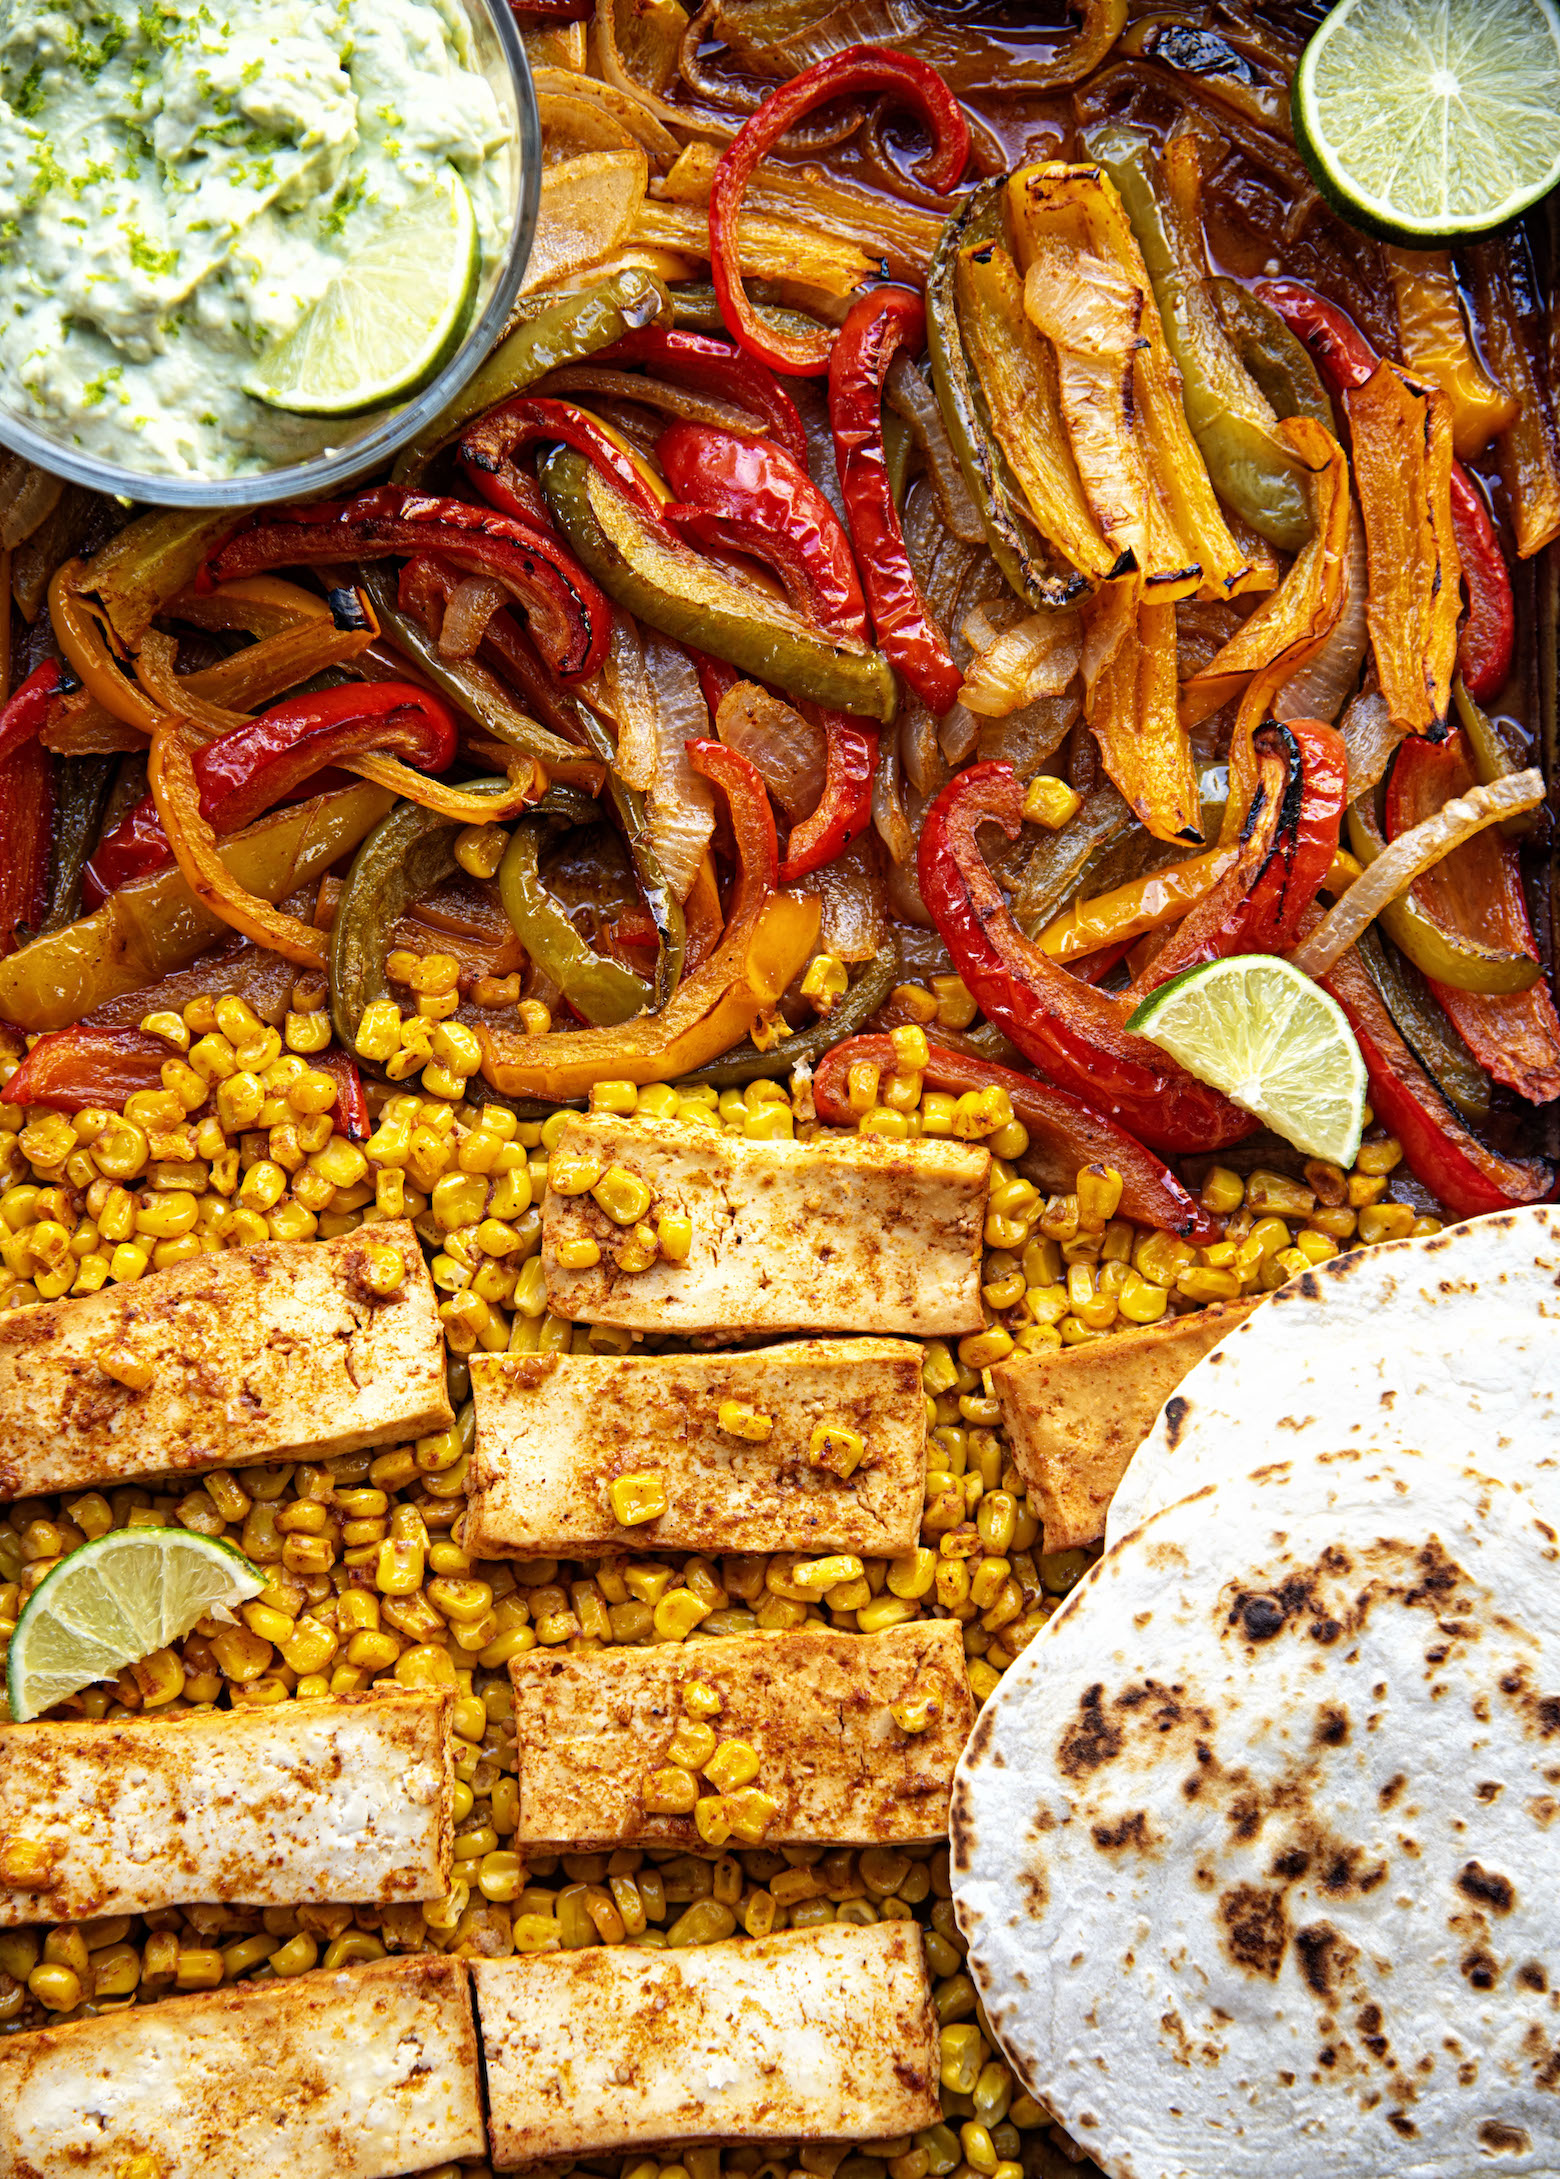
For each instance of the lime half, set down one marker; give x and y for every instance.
(1429, 121)
(1273, 1041)
(114, 1600)
(388, 321)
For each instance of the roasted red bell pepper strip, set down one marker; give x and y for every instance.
(859, 69)
(1441, 1152)
(1071, 1134)
(1489, 635)
(752, 821)
(569, 617)
(489, 448)
(1476, 892)
(1346, 358)
(1077, 1034)
(716, 366)
(765, 503)
(266, 761)
(83, 1066)
(751, 496)
(24, 716)
(26, 804)
(1287, 843)
(877, 327)
(349, 1114)
(716, 678)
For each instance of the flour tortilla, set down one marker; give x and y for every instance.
(1397, 1345)
(1255, 1846)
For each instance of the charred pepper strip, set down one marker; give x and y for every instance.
(717, 367)
(268, 760)
(1072, 1133)
(1347, 360)
(569, 617)
(488, 448)
(769, 506)
(860, 68)
(878, 326)
(1077, 1034)
(1451, 1162)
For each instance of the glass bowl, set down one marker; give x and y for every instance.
(359, 444)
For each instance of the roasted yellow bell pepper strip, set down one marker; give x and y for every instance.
(1436, 346)
(1130, 703)
(1402, 433)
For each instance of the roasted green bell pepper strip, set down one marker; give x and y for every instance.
(660, 580)
(1490, 758)
(81, 790)
(1250, 466)
(1425, 1029)
(1445, 959)
(565, 332)
(695, 309)
(664, 906)
(850, 1013)
(602, 991)
(405, 856)
(1016, 544)
(1277, 359)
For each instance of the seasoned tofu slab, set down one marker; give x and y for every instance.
(351, 1798)
(1076, 1416)
(851, 1234)
(228, 1359)
(818, 1445)
(353, 2074)
(816, 1708)
(813, 2035)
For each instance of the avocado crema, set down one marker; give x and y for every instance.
(181, 179)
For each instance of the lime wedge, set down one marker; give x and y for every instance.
(1428, 121)
(113, 1600)
(388, 321)
(1273, 1041)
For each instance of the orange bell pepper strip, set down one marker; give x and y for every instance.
(1436, 346)
(1130, 704)
(1402, 434)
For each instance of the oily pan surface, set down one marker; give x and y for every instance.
(1255, 1846)
(1399, 1345)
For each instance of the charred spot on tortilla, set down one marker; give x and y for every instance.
(1256, 1929)
(1488, 1888)
(1494, 2134)
(1481, 1968)
(1332, 1725)
(1093, 1740)
(1322, 1954)
(1133, 1831)
(1532, 1976)
(1176, 1410)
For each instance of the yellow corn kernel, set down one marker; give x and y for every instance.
(827, 979)
(1276, 1194)
(58, 1989)
(738, 1420)
(1385, 1222)
(479, 849)
(701, 1700)
(956, 1007)
(912, 1053)
(813, 1576)
(692, 1744)
(1141, 1303)
(911, 1576)
(622, 1195)
(1223, 1191)
(1051, 803)
(833, 1446)
(748, 1814)
(577, 1254)
(1099, 1193)
(384, 1268)
(28, 1864)
(398, 1569)
(677, 1614)
(570, 1173)
(916, 1712)
(638, 1498)
(1379, 1157)
(979, 1350)
(979, 1113)
(734, 1763)
(1202, 1286)
(709, 1816)
(456, 1049)
(670, 1791)
(861, 1086)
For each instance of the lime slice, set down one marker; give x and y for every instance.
(1273, 1041)
(1427, 121)
(113, 1600)
(388, 321)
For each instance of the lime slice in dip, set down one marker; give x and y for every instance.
(388, 321)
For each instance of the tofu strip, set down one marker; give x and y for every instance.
(1076, 1415)
(849, 1234)
(555, 1432)
(813, 2035)
(226, 1360)
(351, 1798)
(353, 2074)
(814, 1706)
